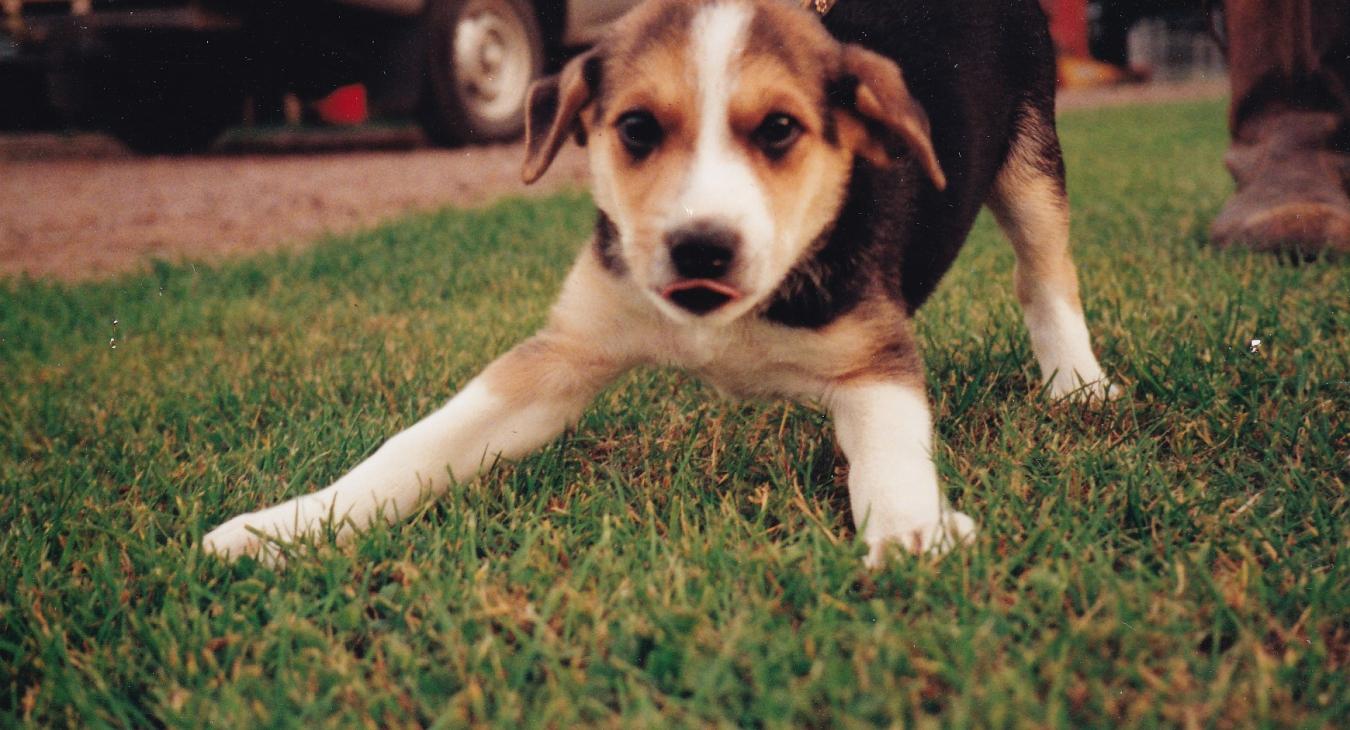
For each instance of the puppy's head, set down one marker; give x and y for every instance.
(721, 137)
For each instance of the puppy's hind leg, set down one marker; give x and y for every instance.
(1031, 207)
(520, 402)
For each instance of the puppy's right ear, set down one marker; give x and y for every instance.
(553, 111)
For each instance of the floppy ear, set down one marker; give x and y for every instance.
(552, 111)
(881, 98)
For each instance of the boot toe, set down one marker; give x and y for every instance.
(1307, 228)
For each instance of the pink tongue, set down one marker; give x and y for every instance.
(688, 284)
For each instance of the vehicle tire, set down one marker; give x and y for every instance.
(480, 59)
(162, 110)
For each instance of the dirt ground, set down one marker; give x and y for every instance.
(81, 206)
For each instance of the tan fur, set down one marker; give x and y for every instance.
(554, 362)
(632, 193)
(1031, 208)
(1030, 205)
(806, 186)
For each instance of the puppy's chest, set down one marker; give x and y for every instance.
(755, 360)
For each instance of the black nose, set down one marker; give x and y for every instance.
(702, 250)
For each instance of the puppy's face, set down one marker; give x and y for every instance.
(721, 137)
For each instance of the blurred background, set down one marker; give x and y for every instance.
(173, 75)
(340, 112)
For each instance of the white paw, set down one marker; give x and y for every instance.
(1076, 390)
(246, 534)
(924, 536)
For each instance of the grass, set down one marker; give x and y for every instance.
(1178, 557)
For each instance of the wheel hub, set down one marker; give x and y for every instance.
(492, 60)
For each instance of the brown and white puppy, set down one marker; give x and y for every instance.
(773, 203)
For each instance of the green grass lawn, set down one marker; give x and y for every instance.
(1177, 557)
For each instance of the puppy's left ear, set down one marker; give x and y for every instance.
(553, 111)
(881, 98)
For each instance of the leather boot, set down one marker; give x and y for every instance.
(1289, 64)
(1291, 186)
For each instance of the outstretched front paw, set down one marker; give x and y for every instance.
(246, 534)
(919, 536)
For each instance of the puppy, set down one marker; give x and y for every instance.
(775, 199)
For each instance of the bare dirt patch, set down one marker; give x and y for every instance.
(80, 206)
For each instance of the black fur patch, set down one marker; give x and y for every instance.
(857, 256)
(830, 128)
(842, 92)
(607, 245)
(593, 72)
(1037, 141)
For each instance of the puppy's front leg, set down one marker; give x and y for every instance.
(885, 431)
(520, 402)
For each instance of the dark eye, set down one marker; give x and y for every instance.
(639, 132)
(776, 134)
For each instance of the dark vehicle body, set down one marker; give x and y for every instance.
(171, 75)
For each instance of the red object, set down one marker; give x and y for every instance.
(345, 105)
(1068, 26)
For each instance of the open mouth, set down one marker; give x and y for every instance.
(700, 296)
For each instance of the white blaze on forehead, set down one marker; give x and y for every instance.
(720, 183)
(717, 38)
